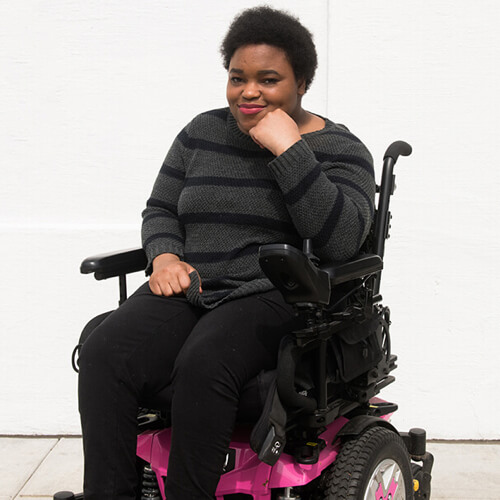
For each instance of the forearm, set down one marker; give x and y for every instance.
(331, 203)
(162, 232)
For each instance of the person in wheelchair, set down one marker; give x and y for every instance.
(261, 171)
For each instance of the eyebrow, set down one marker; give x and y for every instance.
(261, 72)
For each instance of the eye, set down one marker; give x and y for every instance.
(270, 81)
(235, 80)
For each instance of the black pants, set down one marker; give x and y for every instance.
(207, 356)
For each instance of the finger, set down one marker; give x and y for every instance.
(176, 285)
(166, 289)
(184, 282)
(255, 139)
(154, 287)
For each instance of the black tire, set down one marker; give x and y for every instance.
(357, 471)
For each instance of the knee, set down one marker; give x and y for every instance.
(97, 351)
(203, 366)
(193, 360)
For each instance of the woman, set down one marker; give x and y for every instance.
(264, 170)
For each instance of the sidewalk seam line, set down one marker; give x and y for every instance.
(15, 497)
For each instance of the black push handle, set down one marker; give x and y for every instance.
(397, 149)
(387, 186)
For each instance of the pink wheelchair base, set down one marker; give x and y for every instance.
(245, 472)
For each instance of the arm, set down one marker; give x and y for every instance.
(329, 196)
(329, 192)
(161, 229)
(162, 233)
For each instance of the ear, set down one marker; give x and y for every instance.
(301, 87)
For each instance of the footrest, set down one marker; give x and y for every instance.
(68, 495)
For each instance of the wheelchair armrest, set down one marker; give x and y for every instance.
(300, 281)
(109, 265)
(294, 274)
(359, 267)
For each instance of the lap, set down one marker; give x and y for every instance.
(139, 341)
(148, 335)
(142, 317)
(243, 334)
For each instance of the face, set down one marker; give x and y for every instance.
(261, 80)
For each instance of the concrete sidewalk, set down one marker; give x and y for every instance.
(35, 468)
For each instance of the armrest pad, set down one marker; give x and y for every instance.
(360, 266)
(294, 275)
(108, 265)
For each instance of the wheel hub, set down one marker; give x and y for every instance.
(386, 482)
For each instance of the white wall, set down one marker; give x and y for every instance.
(91, 95)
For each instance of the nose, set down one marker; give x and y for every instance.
(251, 91)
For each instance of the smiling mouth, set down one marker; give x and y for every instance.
(250, 109)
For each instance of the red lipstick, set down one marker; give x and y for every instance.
(250, 109)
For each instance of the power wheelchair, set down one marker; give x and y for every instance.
(320, 431)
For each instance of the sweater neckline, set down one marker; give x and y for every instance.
(237, 134)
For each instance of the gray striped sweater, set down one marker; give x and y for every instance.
(219, 197)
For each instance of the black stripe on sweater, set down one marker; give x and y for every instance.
(345, 158)
(155, 203)
(159, 215)
(215, 147)
(238, 219)
(296, 193)
(172, 172)
(362, 223)
(212, 257)
(323, 236)
(230, 182)
(347, 182)
(159, 236)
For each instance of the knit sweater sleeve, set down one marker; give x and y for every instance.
(329, 193)
(162, 231)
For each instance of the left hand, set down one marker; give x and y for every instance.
(277, 131)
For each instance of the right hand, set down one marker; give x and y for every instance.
(170, 275)
(276, 131)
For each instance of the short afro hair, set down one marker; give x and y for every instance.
(264, 25)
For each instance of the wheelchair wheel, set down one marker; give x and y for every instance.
(373, 466)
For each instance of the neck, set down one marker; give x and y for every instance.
(307, 122)
(300, 116)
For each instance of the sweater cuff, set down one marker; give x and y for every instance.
(152, 251)
(297, 160)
